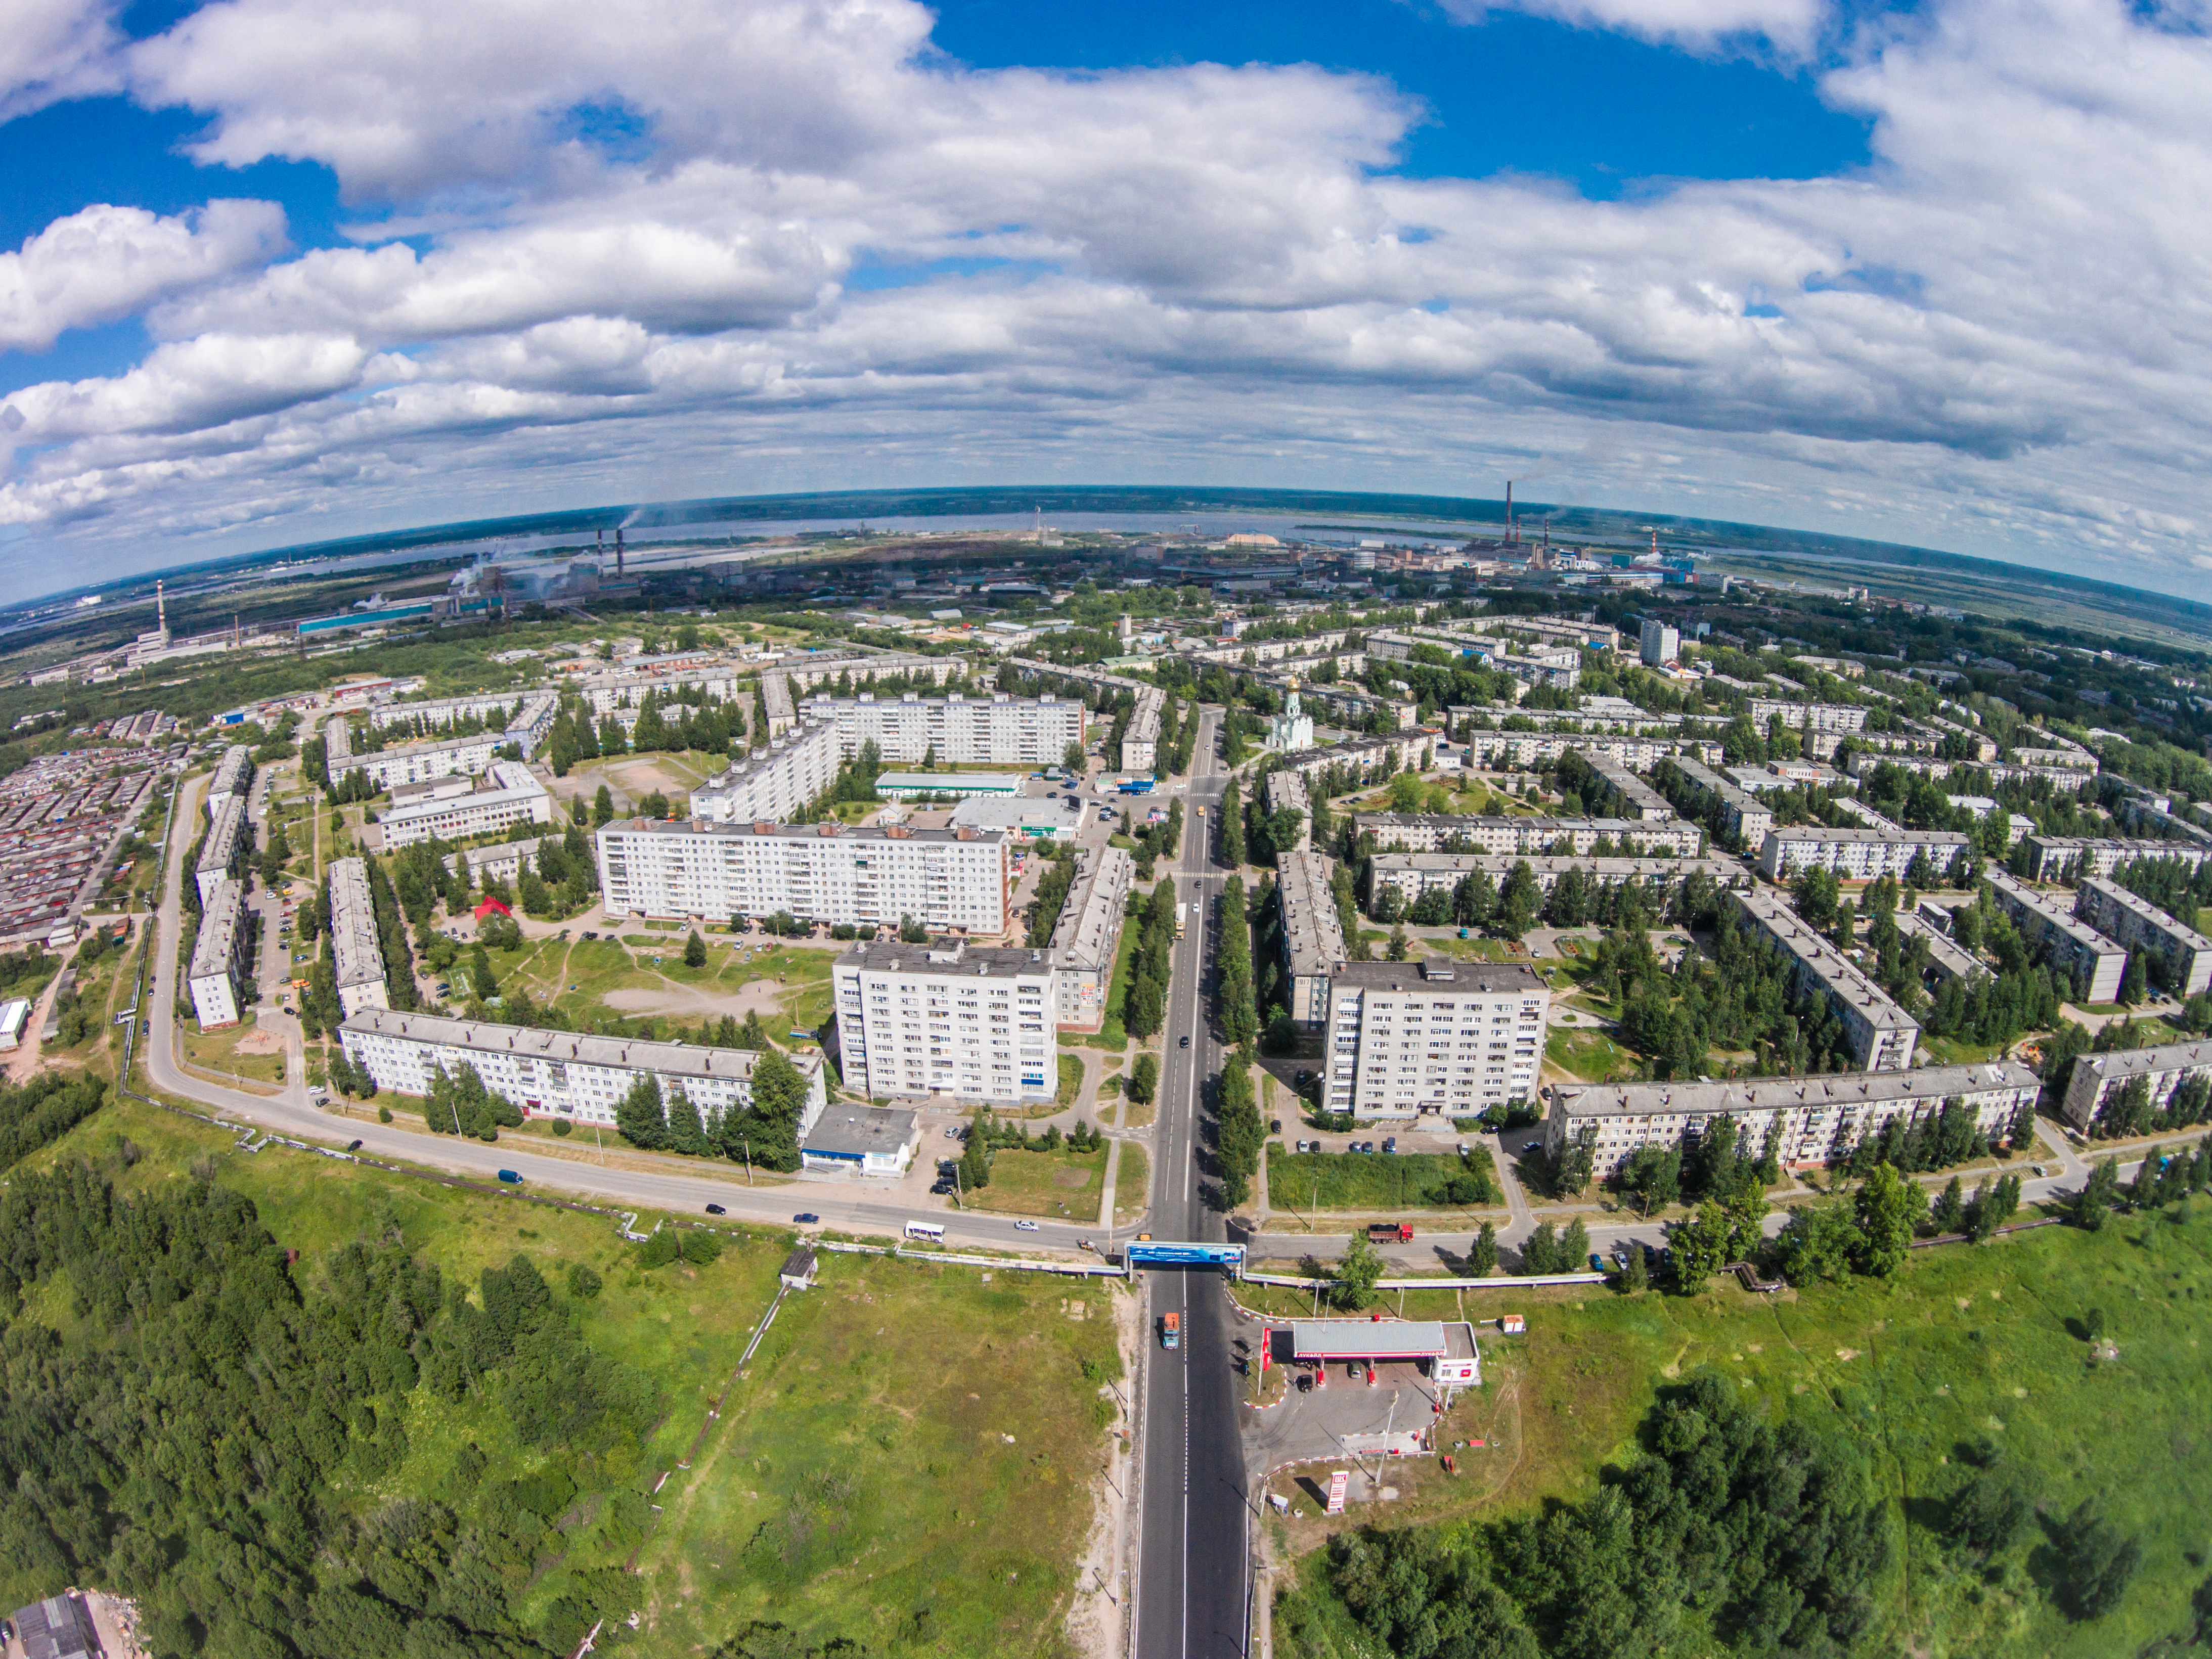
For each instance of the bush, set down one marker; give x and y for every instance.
(583, 1283)
(562, 1126)
(384, 1114)
(660, 1249)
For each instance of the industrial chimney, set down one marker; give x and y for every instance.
(618, 551)
(1510, 535)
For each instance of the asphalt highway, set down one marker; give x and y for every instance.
(1193, 1548)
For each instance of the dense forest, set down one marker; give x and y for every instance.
(192, 1419)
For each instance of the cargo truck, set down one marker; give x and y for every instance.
(1171, 1330)
(1389, 1232)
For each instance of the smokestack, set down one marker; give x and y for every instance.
(1510, 535)
(161, 609)
(618, 550)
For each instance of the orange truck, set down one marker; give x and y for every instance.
(1171, 1330)
(1391, 1232)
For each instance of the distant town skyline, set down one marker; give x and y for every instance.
(271, 274)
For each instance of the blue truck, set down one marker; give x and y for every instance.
(510, 1177)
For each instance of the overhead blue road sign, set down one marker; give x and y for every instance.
(1187, 1255)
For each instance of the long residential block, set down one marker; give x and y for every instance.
(996, 731)
(1636, 799)
(2054, 932)
(1855, 854)
(1433, 832)
(233, 776)
(1445, 1039)
(1813, 1119)
(509, 794)
(944, 879)
(2097, 1078)
(1140, 738)
(224, 848)
(559, 1075)
(1313, 934)
(1415, 875)
(777, 781)
(525, 719)
(356, 954)
(1947, 957)
(1743, 814)
(1285, 792)
(1088, 934)
(2136, 922)
(955, 1022)
(2068, 858)
(1881, 1035)
(1834, 719)
(217, 971)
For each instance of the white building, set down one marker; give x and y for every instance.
(224, 847)
(1660, 643)
(356, 954)
(1862, 854)
(1292, 730)
(1813, 1119)
(1287, 792)
(2097, 1078)
(2136, 922)
(952, 1022)
(1088, 935)
(1432, 832)
(944, 879)
(774, 782)
(1880, 1035)
(996, 731)
(2055, 858)
(1434, 1039)
(233, 776)
(511, 794)
(559, 1075)
(218, 974)
(1635, 799)
(1823, 718)
(862, 1140)
(1415, 875)
(2071, 945)
(1313, 934)
(1742, 814)
(524, 718)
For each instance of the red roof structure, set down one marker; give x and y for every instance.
(491, 904)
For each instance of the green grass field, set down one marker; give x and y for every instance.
(1060, 1183)
(1590, 1056)
(1368, 1182)
(1133, 1183)
(1966, 1344)
(906, 1464)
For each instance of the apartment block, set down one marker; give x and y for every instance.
(1415, 875)
(1285, 792)
(223, 850)
(524, 718)
(2071, 945)
(1431, 832)
(216, 976)
(606, 694)
(956, 1022)
(508, 794)
(2068, 858)
(559, 1075)
(1140, 738)
(1509, 750)
(1313, 934)
(1947, 957)
(2136, 922)
(1879, 1036)
(1858, 854)
(356, 954)
(944, 879)
(777, 782)
(1829, 718)
(996, 731)
(1369, 757)
(1743, 814)
(1634, 798)
(1436, 1039)
(2097, 1078)
(1088, 934)
(233, 776)
(1813, 1119)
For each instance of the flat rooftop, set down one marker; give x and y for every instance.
(1441, 974)
(1770, 1094)
(968, 961)
(1375, 1338)
(855, 1131)
(668, 1059)
(824, 831)
(2179, 931)
(1313, 932)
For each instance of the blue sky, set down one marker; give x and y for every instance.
(270, 273)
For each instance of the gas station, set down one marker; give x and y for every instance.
(1444, 1349)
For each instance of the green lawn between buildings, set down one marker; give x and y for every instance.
(1967, 1345)
(907, 1464)
(1369, 1182)
(1062, 1184)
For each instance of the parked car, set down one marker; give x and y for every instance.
(716, 1209)
(591, 933)
(353, 1145)
(941, 1189)
(806, 1219)
(1390, 1143)
(510, 1177)
(1302, 1079)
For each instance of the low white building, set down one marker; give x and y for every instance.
(945, 879)
(1088, 935)
(1292, 730)
(948, 1022)
(559, 1075)
(356, 953)
(510, 794)
(217, 974)
(1813, 1119)
(777, 782)
(863, 1140)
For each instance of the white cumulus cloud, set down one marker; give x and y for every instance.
(109, 261)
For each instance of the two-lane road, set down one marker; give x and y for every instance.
(1194, 1548)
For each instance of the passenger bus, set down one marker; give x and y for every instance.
(932, 1230)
